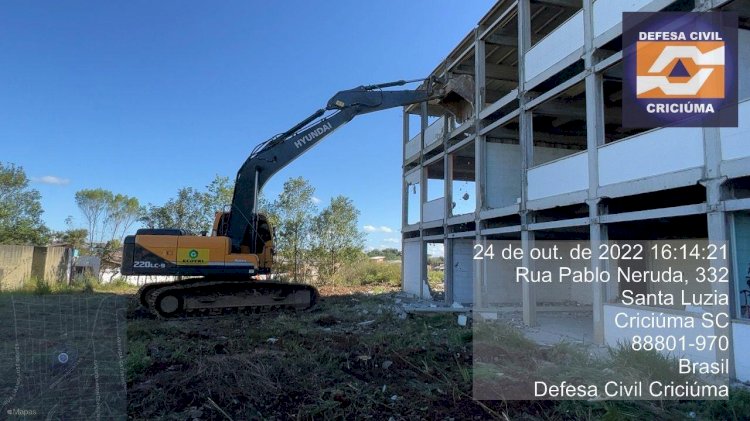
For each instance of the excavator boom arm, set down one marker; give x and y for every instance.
(276, 153)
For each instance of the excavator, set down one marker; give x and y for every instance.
(220, 273)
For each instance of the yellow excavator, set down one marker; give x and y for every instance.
(221, 270)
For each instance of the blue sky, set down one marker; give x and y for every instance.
(145, 97)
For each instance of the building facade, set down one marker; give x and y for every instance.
(539, 153)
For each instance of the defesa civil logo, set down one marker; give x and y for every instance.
(680, 69)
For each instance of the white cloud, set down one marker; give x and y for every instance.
(51, 179)
(392, 240)
(316, 200)
(382, 228)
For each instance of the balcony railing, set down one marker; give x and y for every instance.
(652, 153)
(564, 175)
(559, 44)
(735, 141)
(608, 13)
(433, 135)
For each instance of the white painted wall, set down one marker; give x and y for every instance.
(502, 288)
(735, 141)
(608, 13)
(554, 47)
(613, 334)
(564, 175)
(434, 209)
(655, 152)
(463, 271)
(503, 165)
(741, 340)
(412, 266)
(499, 275)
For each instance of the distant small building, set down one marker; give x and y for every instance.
(87, 265)
(377, 259)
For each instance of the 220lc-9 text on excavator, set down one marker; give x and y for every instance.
(221, 269)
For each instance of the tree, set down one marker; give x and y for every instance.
(388, 253)
(191, 210)
(121, 213)
(20, 209)
(336, 237)
(294, 210)
(76, 237)
(186, 211)
(218, 195)
(93, 204)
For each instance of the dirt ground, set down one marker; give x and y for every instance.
(356, 355)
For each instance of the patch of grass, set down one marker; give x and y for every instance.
(366, 272)
(41, 287)
(436, 279)
(646, 365)
(352, 358)
(736, 408)
(116, 285)
(137, 359)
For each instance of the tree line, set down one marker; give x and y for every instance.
(311, 242)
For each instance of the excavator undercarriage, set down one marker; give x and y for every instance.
(207, 296)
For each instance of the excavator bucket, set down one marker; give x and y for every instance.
(458, 96)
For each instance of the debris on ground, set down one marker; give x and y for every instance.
(358, 355)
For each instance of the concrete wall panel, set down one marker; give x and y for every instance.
(559, 44)
(15, 265)
(503, 174)
(463, 271)
(652, 153)
(741, 340)
(565, 175)
(735, 141)
(608, 13)
(412, 266)
(613, 333)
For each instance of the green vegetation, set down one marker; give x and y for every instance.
(352, 358)
(436, 279)
(336, 239)
(388, 253)
(20, 209)
(81, 284)
(366, 272)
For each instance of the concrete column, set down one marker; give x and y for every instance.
(447, 243)
(598, 235)
(718, 231)
(528, 290)
(422, 198)
(479, 158)
(526, 141)
(448, 246)
(594, 139)
(404, 185)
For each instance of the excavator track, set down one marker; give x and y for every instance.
(212, 297)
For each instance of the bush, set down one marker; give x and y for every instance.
(365, 272)
(436, 279)
(86, 282)
(41, 287)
